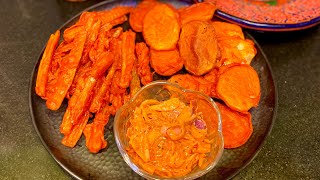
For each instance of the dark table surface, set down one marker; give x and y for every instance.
(292, 151)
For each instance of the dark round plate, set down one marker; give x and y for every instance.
(108, 164)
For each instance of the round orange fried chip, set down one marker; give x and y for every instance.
(236, 127)
(138, 14)
(166, 63)
(161, 27)
(239, 87)
(198, 47)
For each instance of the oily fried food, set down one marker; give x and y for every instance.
(143, 65)
(236, 127)
(199, 11)
(166, 63)
(94, 132)
(66, 72)
(80, 102)
(161, 27)
(114, 13)
(239, 87)
(99, 68)
(198, 47)
(45, 64)
(227, 30)
(196, 83)
(236, 50)
(138, 13)
(128, 57)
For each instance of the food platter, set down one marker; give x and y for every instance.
(108, 164)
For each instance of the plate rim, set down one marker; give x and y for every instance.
(267, 26)
(65, 168)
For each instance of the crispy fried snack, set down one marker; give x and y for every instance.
(139, 12)
(161, 27)
(227, 30)
(198, 47)
(200, 11)
(71, 139)
(45, 64)
(59, 87)
(196, 83)
(236, 50)
(239, 87)
(94, 132)
(143, 67)
(114, 13)
(102, 95)
(128, 57)
(80, 102)
(166, 63)
(236, 127)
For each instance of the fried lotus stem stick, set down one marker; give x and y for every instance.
(45, 64)
(143, 65)
(128, 57)
(81, 100)
(66, 73)
(72, 138)
(103, 93)
(94, 132)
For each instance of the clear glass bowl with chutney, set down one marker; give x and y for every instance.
(168, 132)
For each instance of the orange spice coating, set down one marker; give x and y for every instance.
(226, 30)
(128, 57)
(199, 11)
(161, 27)
(198, 47)
(166, 63)
(138, 13)
(66, 73)
(236, 127)
(196, 83)
(239, 87)
(45, 64)
(143, 66)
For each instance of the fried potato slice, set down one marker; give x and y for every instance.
(199, 11)
(236, 127)
(166, 63)
(161, 27)
(198, 47)
(226, 30)
(139, 12)
(236, 50)
(196, 83)
(239, 87)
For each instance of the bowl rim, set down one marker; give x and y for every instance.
(147, 175)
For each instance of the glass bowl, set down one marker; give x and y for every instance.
(161, 91)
